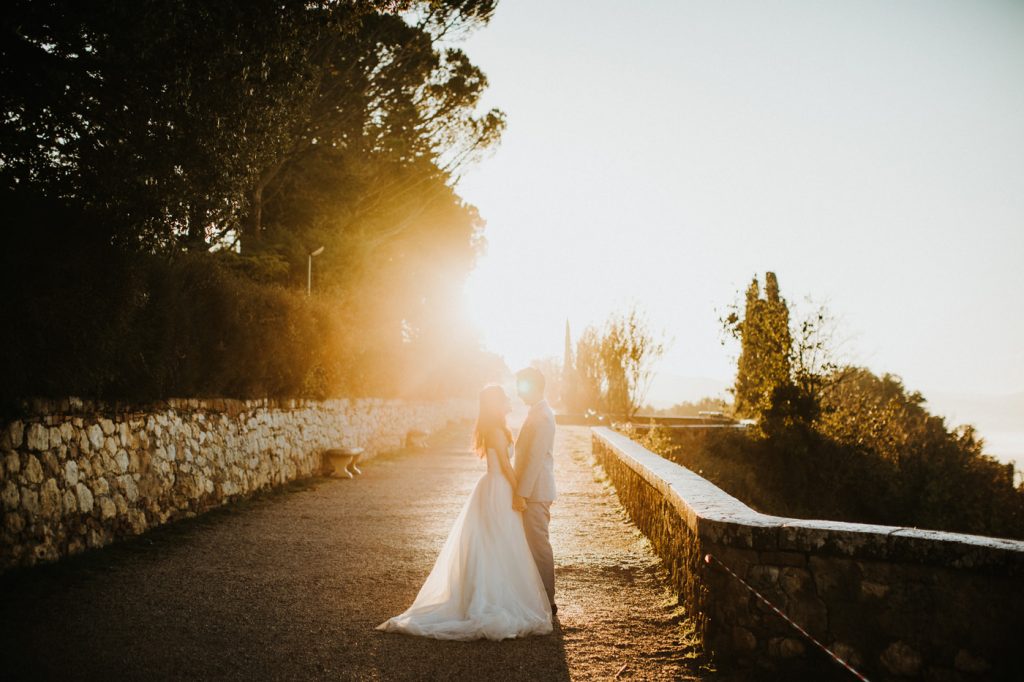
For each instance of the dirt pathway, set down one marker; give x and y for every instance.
(290, 586)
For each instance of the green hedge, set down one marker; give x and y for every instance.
(82, 317)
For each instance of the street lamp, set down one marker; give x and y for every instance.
(309, 270)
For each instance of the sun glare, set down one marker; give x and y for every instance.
(492, 304)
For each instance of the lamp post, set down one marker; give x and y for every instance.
(309, 270)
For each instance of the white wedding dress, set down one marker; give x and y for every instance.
(484, 582)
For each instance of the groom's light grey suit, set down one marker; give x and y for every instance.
(535, 471)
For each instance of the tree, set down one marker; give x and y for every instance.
(181, 121)
(939, 477)
(614, 365)
(569, 397)
(766, 347)
(155, 131)
(590, 371)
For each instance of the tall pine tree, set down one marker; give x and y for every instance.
(765, 348)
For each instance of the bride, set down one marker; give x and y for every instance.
(485, 582)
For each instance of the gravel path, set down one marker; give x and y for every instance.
(290, 585)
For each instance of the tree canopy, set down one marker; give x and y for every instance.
(248, 133)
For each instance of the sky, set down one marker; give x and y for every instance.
(662, 153)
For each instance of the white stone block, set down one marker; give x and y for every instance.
(95, 436)
(37, 437)
(71, 472)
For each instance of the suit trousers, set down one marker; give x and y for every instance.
(535, 521)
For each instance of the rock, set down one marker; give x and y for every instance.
(13, 435)
(71, 472)
(84, 498)
(900, 658)
(763, 577)
(137, 521)
(966, 662)
(796, 582)
(55, 437)
(785, 647)
(120, 503)
(37, 438)
(33, 470)
(810, 613)
(30, 501)
(50, 464)
(743, 639)
(46, 550)
(94, 538)
(107, 508)
(95, 434)
(847, 653)
(49, 500)
(70, 502)
(107, 465)
(122, 461)
(107, 426)
(874, 590)
(12, 462)
(10, 496)
(14, 522)
(131, 491)
(101, 486)
(791, 648)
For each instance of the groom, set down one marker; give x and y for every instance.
(534, 467)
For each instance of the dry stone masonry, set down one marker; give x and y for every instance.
(897, 603)
(76, 475)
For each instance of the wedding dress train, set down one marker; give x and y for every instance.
(484, 582)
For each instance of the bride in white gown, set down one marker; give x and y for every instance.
(485, 582)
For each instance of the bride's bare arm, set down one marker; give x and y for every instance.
(500, 443)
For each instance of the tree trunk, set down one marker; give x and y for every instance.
(252, 222)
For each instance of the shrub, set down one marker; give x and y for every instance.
(877, 456)
(87, 319)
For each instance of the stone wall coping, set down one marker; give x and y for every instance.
(718, 517)
(54, 408)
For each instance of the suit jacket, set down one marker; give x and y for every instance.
(534, 462)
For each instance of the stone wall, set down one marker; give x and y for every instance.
(897, 603)
(76, 475)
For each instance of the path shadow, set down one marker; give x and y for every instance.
(392, 656)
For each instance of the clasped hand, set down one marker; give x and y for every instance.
(518, 503)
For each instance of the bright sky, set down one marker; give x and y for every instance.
(869, 152)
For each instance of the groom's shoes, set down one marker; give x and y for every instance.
(554, 609)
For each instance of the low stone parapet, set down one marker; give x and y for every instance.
(896, 603)
(76, 474)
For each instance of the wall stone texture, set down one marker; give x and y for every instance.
(76, 475)
(896, 603)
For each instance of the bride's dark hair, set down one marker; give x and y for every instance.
(491, 418)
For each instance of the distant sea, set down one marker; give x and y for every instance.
(999, 420)
(1007, 446)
